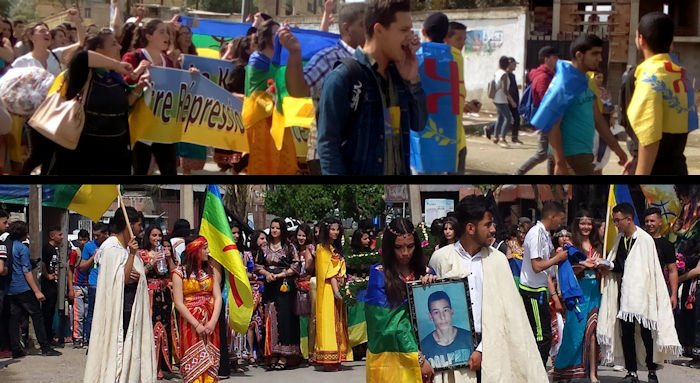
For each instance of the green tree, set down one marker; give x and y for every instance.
(24, 9)
(315, 202)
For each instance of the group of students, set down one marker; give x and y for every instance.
(657, 124)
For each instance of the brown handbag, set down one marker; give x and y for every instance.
(61, 120)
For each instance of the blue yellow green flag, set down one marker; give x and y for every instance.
(216, 230)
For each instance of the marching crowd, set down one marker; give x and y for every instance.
(540, 299)
(367, 92)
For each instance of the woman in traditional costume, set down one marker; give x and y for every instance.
(197, 296)
(578, 354)
(278, 262)
(152, 253)
(392, 354)
(332, 345)
(305, 303)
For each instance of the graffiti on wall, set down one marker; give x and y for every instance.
(483, 42)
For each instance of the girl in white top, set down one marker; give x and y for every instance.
(38, 38)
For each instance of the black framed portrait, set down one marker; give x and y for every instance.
(443, 322)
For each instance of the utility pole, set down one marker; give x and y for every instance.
(34, 218)
(245, 9)
(414, 199)
(187, 203)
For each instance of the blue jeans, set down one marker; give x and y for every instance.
(92, 291)
(505, 118)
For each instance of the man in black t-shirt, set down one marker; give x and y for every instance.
(667, 253)
(49, 280)
(448, 345)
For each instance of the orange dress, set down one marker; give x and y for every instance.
(200, 357)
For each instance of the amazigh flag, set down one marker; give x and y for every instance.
(664, 198)
(357, 324)
(298, 109)
(216, 230)
(392, 347)
(617, 195)
(209, 35)
(567, 84)
(434, 149)
(89, 200)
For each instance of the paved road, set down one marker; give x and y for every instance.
(69, 369)
(484, 157)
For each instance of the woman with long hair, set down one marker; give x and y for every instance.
(278, 262)
(152, 253)
(578, 354)
(105, 132)
(126, 38)
(38, 38)
(386, 305)
(151, 42)
(302, 241)
(449, 232)
(332, 344)
(360, 242)
(255, 332)
(257, 112)
(197, 296)
(7, 43)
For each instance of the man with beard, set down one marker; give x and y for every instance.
(665, 249)
(506, 350)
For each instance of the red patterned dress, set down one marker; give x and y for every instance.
(200, 357)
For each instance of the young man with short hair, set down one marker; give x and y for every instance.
(100, 232)
(494, 301)
(539, 257)
(667, 252)
(24, 295)
(364, 122)
(80, 289)
(447, 344)
(571, 137)
(308, 81)
(662, 110)
(540, 78)
(51, 260)
(641, 298)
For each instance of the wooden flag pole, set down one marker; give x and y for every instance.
(126, 217)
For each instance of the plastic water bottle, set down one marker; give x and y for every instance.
(162, 264)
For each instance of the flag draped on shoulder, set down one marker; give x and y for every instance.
(617, 195)
(567, 84)
(216, 230)
(392, 347)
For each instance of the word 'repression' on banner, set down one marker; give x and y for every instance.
(215, 70)
(187, 107)
(434, 149)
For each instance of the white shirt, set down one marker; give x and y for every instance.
(179, 248)
(538, 245)
(476, 285)
(501, 96)
(53, 66)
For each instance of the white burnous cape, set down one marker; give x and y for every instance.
(509, 349)
(644, 299)
(111, 357)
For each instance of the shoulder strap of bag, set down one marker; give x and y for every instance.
(60, 64)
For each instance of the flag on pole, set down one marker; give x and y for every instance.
(617, 195)
(89, 200)
(216, 230)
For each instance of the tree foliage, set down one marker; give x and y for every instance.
(315, 202)
(23, 9)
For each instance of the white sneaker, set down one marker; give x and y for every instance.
(503, 144)
(618, 368)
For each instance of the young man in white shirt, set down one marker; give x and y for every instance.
(494, 300)
(536, 275)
